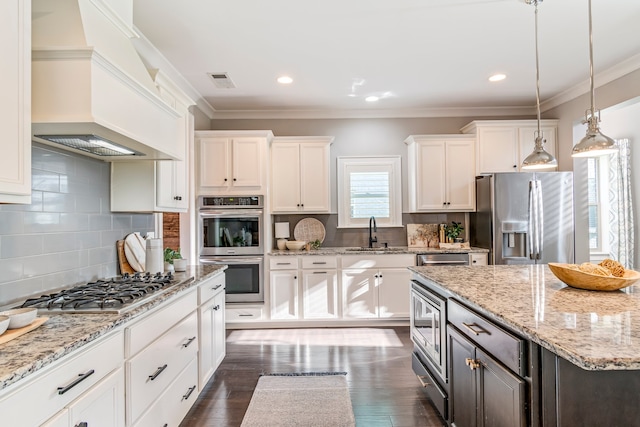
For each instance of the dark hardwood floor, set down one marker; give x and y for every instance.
(384, 391)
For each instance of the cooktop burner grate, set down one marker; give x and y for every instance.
(115, 295)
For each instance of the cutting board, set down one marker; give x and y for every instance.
(134, 250)
(124, 265)
(15, 333)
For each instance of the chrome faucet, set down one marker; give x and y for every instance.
(372, 239)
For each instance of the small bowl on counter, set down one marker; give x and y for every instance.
(4, 324)
(295, 245)
(20, 317)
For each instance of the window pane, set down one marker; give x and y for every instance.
(593, 208)
(369, 194)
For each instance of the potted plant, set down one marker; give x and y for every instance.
(170, 256)
(453, 231)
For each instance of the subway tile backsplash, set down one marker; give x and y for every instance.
(67, 234)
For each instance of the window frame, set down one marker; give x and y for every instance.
(377, 164)
(602, 180)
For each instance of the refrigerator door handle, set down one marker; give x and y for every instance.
(540, 219)
(531, 236)
(535, 220)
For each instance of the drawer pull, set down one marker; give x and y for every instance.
(283, 263)
(245, 315)
(81, 377)
(475, 328)
(319, 272)
(422, 378)
(186, 396)
(216, 307)
(188, 343)
(82, 424)
(158, 372)
(319, 263)
(216, 287)
(472, 363)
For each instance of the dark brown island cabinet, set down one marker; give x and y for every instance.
(495, 377)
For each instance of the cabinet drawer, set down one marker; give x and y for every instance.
(41, 398)
(210, 288)
(430, 386)
(509, 349)
(283, 263)
(145, 331)
(151, 371)
(319, 262)
(173, 405)
(243, 314)
(378, 261)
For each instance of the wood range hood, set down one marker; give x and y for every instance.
(88, 80)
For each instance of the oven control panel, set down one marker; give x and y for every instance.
(231, 201)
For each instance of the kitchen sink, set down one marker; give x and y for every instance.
(384, 250)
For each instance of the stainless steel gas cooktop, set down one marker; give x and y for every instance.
(115, 295)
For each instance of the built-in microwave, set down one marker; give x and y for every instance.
(428, 327)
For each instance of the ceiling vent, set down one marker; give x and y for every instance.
(222, 81)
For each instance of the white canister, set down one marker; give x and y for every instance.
(154, 256)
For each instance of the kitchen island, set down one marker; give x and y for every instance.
(581, 348)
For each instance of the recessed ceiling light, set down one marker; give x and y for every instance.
(497, 77)
(371, 98)
(285, 80)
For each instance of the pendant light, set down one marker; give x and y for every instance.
(594, 143)
(539, 159)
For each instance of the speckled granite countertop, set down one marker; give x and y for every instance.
(376, 251)
(594, 330)
(64, 333)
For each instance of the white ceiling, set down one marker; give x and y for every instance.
(423, 57)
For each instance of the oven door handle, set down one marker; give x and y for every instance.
(425, 262)
(232, 260)
(233, 214)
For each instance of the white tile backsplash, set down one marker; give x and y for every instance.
(67, 235)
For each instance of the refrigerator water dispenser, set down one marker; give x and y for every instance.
(514, 239)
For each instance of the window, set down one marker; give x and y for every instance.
(369, 186)
(598, 205)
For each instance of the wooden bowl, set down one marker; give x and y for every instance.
(592, 282)
(295, 245)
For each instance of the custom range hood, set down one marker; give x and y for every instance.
(91, 92)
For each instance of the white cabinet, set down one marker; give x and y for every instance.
(211, 324)
(101, 406)
(160, 347)
(160, 186)
(300, 174)
(441, 173)
(61, 390)
(319, 288)
(502, 145)
(284, 294)
(15, 104)
(476, 258)
(376, 286)
(232, 162)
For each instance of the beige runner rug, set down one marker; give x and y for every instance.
(300, 401)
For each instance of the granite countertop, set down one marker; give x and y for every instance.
(395, 250)
(593, 330)
(64, 333)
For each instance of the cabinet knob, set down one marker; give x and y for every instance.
(177, 198)
(473, 364)
(225, 180)
(515, 166)
(474, 261)
(234, 179)
(216, 307)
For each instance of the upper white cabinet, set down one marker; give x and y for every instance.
(300, 174)
(441, 173)
(157, 186)
(15, 105)
(502, 145)
(232, 162)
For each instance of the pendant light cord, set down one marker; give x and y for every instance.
(593, 91)
(537, 72)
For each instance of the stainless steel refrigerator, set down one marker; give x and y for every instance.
(524, 218)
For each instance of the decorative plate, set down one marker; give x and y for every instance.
(309, 230)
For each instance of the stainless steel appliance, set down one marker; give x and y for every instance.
(231, 232)
(443, 259)
(115, 295)
(428, 327)
(524, 218)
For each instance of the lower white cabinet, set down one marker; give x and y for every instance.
(101, 406)
(284, 294)
(159, 348)
(74, 387)
(478, 258)
(320, 294)
(393, 292)
(211, 324)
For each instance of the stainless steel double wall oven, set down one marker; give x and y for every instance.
(231, 232)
